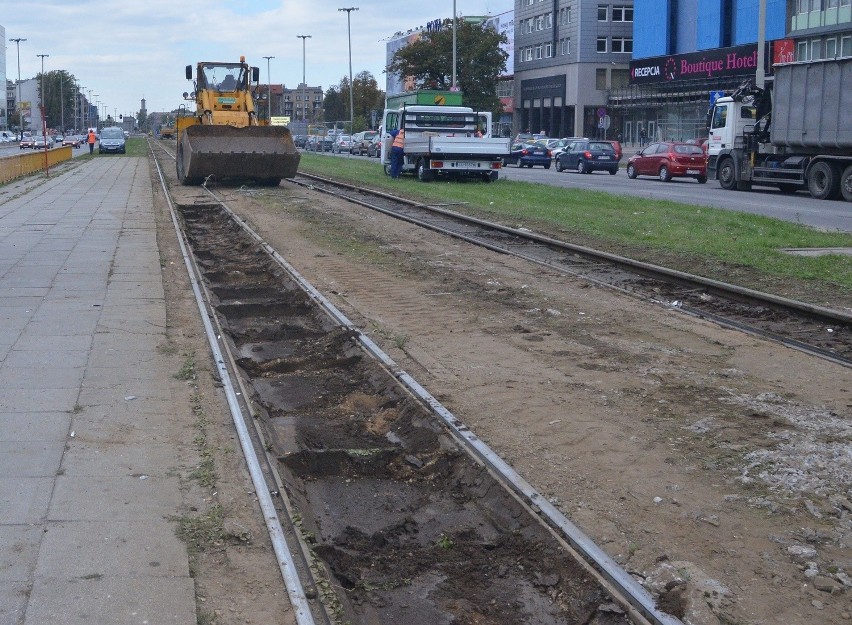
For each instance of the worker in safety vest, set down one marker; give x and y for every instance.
(91, 141)
(397, 152)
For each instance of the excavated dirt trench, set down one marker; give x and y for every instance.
(409, 528)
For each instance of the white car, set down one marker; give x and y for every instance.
(342, 143)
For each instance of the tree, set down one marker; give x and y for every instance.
(366, 97)
(333, 105)
(58, 98)
(480, 62)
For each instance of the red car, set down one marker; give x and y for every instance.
(669, 159)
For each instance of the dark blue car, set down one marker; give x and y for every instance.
(528, 155)
(588, 156)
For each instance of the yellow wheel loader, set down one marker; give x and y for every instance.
(224, 138)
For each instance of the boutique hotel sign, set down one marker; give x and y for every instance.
(703, 65)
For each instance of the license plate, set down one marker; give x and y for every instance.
(467, 164)
(693, 171)
(603, 158)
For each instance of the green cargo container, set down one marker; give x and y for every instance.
(431, 97)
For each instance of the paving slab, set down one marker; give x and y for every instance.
(89, 433)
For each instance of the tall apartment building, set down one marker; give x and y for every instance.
(303, 103)
(569, 55)
(820, 29)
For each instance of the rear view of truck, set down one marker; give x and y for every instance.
(445, 140)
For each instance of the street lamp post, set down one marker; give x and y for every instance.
(304, 83)
(20, 108)
(351, 86)
(268, 90)
(43, 118)
(453, 88)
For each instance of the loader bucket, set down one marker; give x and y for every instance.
(259, 154)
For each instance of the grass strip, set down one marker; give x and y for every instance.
(725, 245)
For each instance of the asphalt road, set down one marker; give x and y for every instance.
(798, 208)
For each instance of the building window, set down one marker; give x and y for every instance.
(601, 44)
(816, 5)
(816, 50)
(802, 6)
(622, 44)
(831, 48)
(548, 50)
(621, 14)
(845, 3)
(537, 52)
(528, 54)
(802, 51)
(600, 79)
(539, 22)
(565, 46)
(831, 4)
(564, 16)
(548, 20)
(846, 46)
(602, 12)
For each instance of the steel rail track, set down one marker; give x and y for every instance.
(685, 291)
(303, 608)
(638, 603)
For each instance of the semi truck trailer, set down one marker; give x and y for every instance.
(796, 134)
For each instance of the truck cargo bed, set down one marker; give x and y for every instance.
(812, 105)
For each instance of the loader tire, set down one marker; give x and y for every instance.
(846, 184)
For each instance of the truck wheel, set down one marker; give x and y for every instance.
(823, 181)
(727, 174)
(424, 174)
(846, 184)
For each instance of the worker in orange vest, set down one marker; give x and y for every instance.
(91, 141)
(397, 152)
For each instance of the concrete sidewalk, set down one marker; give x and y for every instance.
(88, 429)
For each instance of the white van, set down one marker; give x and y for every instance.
(7, 136)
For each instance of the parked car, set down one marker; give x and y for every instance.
(324, 143)
(112, 140)
(300, 140)
(26, 143)
(361, 142)
(374, 149)
(669, 159)
(528, 155)
(563, 145)
(73, 140)
(342, 143)
(588, 156)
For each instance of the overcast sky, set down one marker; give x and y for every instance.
(124, 51)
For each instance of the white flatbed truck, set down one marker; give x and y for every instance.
(442, 140)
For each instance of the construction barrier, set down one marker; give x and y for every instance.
(31, 161)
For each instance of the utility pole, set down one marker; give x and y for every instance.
(43, 118)
(351, 86)
(20, 108)
(268, 90)
(304, 83)
(453, 86)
